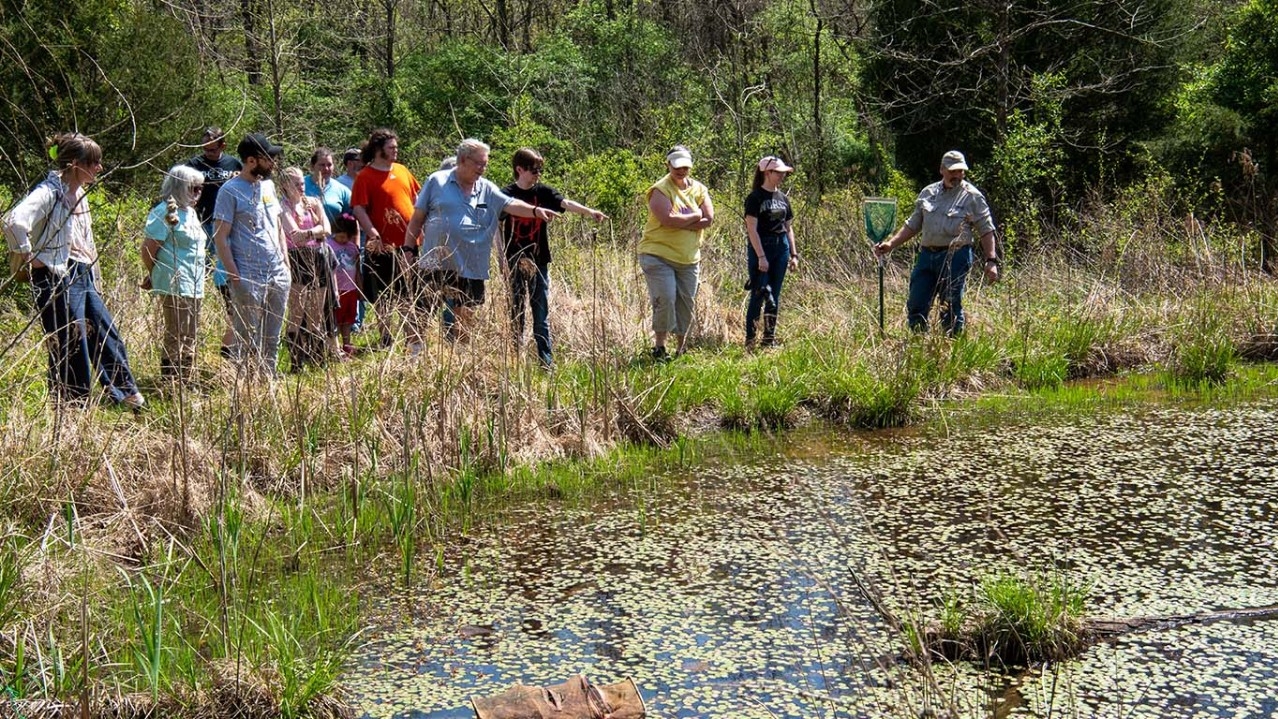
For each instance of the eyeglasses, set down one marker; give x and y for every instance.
(534, 170)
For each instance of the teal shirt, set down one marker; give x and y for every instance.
(179, 265)
(335, 197)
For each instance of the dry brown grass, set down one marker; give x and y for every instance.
(482, 405)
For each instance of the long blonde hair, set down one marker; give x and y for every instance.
(294, 182)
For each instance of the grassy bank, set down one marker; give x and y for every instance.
(170, 559)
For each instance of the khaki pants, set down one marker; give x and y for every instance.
(181, 335)
(672, 287)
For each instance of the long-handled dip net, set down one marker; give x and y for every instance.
(880, 218)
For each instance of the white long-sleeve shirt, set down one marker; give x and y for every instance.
(52, 226)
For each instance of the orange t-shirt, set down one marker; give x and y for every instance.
(387, 197)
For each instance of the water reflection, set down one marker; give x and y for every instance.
(730, 593)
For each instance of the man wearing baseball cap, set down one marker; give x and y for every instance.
(947, 215)
(254, 252)
(352, 163)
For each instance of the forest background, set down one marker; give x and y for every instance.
(1058, 104)
(1127, 148)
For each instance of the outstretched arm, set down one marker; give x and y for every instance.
(579, 209)
(519, 208)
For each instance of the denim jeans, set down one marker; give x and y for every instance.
(939, 274)
(81, 336)
(258, 312)
(533, 291)
(765, 287)
(672, 288)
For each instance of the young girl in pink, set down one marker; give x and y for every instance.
(345, 246)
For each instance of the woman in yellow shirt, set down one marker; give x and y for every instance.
(679, 210)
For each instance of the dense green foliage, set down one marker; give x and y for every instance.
(1057, 105)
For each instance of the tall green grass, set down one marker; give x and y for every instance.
(1011, 619)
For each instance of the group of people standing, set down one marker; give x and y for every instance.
(304, 261)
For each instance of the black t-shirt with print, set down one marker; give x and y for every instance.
(527, 236)
(771, 208)
(215, 174)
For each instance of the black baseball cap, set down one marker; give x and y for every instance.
(257, 145)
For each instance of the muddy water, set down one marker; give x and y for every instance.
(729, 592)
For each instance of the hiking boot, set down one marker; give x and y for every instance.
(659, 354)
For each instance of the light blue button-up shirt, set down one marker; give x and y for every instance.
(179, 265)
(459, 230)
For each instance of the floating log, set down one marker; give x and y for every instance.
(576, 698)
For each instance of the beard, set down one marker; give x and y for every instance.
(261, 173)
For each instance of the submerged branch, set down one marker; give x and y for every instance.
(1102, 629)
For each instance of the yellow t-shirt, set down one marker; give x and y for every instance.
(679, 246)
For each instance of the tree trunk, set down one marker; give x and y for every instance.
(277, 73)
(818, 130)
(501, 24)
(390, 6)
(252, 48)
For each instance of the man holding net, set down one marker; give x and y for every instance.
(946, 216)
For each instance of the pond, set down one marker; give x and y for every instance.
(730, 591)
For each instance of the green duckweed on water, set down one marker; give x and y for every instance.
(728, 591)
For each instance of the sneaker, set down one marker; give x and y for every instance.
(348, 350)
(135, 401)
(659, 354)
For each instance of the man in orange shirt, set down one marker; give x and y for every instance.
(382, 200)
